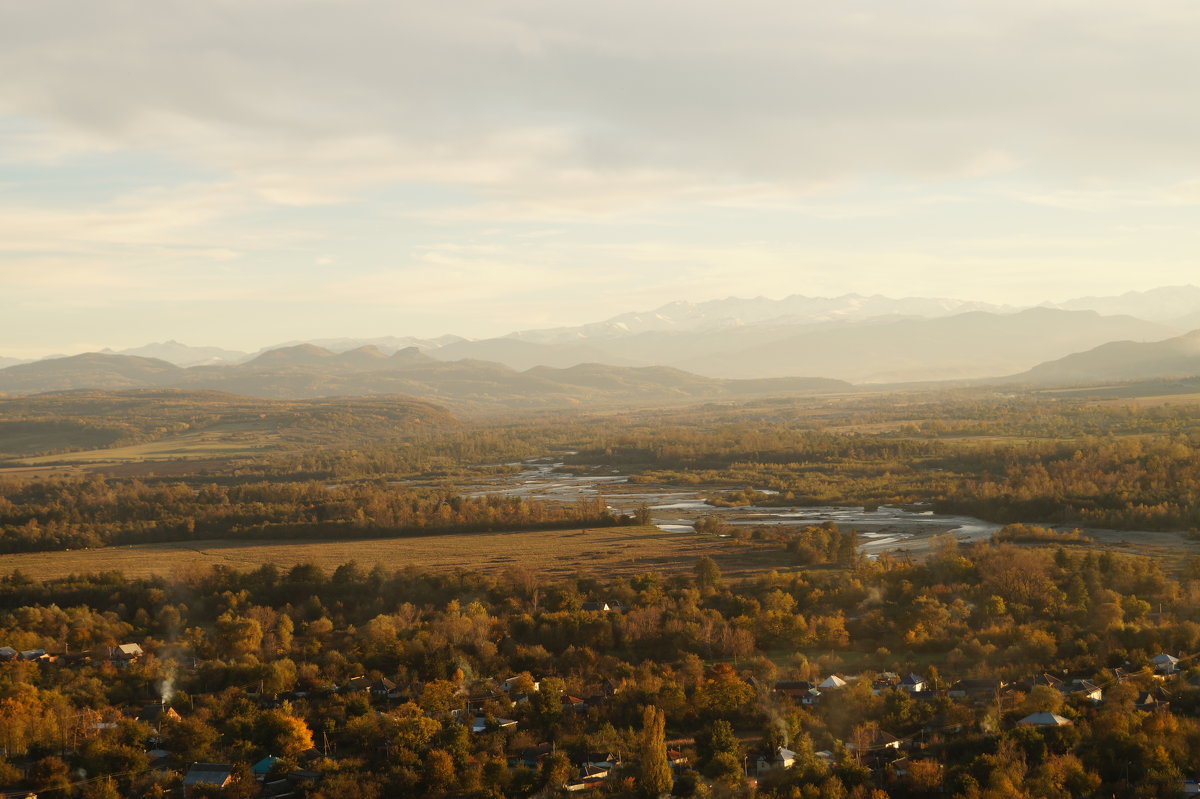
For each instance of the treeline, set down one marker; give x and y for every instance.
(1032, 534)
(67, 513)
(1143, 471)
(1126, 483)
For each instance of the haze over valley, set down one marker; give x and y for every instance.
(722, 348)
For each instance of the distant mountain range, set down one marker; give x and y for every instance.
(307, 371)
(735, 312)
(855, 338)
(182, 354)
(1178, 306)
(967, 345)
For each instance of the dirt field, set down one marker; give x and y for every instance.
(609, 550)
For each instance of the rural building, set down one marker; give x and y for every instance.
(1085, 689)
(1165, 664)
(781, 758)
(125, 653)
(481, 724)
(873, 739)
(156, 714)
(1044, 719)
(218, 774)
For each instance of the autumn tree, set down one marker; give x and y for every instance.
(654, 772)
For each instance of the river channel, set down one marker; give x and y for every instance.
(675, 509)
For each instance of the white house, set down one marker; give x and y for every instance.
(1165, 664)
(781, 759)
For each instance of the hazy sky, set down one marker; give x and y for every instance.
(244, 172)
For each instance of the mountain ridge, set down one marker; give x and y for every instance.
(309, 372)
(862, 338)
(1121, 361)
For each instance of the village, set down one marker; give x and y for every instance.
(545, 730)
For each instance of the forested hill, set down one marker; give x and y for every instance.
(203, 421)
(308, 371)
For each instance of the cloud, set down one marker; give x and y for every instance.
(529, 160)
(311, 101)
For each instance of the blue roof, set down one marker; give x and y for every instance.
(264, 765)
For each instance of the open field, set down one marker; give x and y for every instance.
(211, 443)
(607, 550)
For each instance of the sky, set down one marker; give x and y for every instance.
(240, 173)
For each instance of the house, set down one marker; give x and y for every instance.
(884, 682)
(1085, 689)
(262, 768)
(1150, 701)
(832, 683)
(586, 780)
(7, 653)
(794, 689)
(912, 683)
(125, 653)
(1165, 664)
(382, 687)
(977, 689)
(598, 607)
(873, 739)
(1047, 680)
(573, 703)
(1044, 719)
(531, 756)
(481, 724)
(161, 763)
(596, 700)
(592, 767)
(478, 701)
(77, 658)
(156, 714)
(516, 683)
(290, 786)
(218, 774)
(36, 655)
(605, 761)
(781, 758)
(309, 755)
